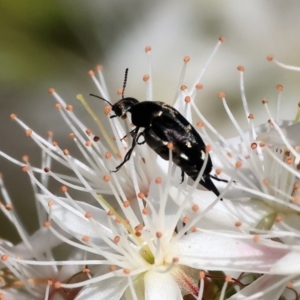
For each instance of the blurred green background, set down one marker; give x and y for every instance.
(54, 43)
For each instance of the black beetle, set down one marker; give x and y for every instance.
(163, 124)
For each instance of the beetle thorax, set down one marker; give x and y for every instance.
(143, 113)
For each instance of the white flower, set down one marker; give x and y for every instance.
(151, 255)
(144, 235)
(22, 281)
(267, 179)
(269, 183)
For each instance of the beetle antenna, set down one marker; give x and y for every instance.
(102, 99)
(124, 83)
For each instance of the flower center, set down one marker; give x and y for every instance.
(146, 254)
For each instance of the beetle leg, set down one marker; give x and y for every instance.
(182, 177)
(207, 183)
(132, 131)
(144, 141)
(217, 178)
(126, 158)
(129, 152)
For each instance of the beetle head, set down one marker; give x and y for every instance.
(123, 106)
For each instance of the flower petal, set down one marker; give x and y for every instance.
(74, 222)
(226, 212)
(112, 289)
(291, 133)
(161, 286)
(288, 264)
(216, 252)
(41, 241)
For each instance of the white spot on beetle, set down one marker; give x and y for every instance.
(203, 154)
(188, 144)
(184, 156)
